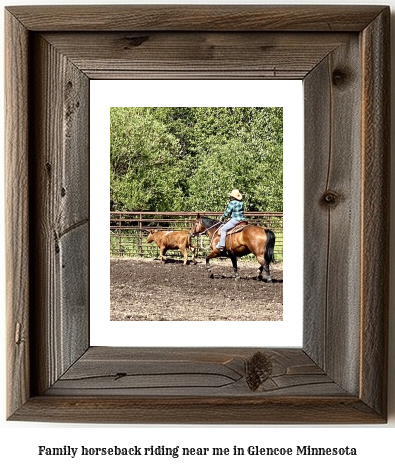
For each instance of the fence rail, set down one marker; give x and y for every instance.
(128, 230)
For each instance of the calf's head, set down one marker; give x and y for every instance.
(150, 237)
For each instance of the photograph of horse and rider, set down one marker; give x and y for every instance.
(196, 201)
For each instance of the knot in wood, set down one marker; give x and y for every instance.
(135, 41)
(259, 369)
(330, 198)
(339, 77)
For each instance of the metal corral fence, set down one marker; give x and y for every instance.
(128, 231)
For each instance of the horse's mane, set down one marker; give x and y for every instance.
(207, 223)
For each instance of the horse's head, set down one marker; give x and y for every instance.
(197, 227)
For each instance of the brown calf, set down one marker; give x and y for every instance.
(171, 240)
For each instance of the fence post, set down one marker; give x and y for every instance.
(119, 235)
(140, 236)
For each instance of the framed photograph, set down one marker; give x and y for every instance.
(339, 375)
(141, 289)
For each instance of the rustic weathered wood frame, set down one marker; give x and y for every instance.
(340, 374)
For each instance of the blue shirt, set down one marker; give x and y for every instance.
(235, 210)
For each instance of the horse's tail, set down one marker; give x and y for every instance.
(269, 248)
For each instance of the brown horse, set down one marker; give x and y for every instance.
(251, 239)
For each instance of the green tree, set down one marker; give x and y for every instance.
(145, 171)
(190, 158)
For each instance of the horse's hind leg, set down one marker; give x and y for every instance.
(263, 265)
(260, 269)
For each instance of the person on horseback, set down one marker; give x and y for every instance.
(235, 210)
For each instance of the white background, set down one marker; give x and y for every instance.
(286, 94)
(19, 441)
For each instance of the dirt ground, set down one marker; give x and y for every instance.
(149, 290)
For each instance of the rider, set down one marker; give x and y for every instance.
(235, 209)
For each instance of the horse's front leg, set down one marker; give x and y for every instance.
(234, 264)
(213, 254)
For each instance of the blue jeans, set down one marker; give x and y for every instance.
(229, 224)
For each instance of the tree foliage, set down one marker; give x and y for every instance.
(187, 159)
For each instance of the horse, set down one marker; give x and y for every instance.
(250, 239)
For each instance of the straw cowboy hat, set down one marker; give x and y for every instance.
(236, 194)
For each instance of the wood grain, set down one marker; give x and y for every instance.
(376, 211)
(188, 372)
(196, 54)
(144, 385)
(17, 213)
(198, 410)
(332, 202)
(196, 17)
(339, 376)
(60, 203)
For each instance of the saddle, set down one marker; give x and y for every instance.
(237, 228)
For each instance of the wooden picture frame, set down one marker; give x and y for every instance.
(340, 374)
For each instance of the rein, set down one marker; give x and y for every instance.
(212, 238)
(204, 233)
(201, 243)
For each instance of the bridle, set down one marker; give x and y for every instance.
(204, 232)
